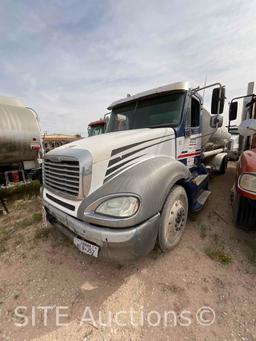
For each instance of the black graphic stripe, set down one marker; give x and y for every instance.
(131, 153)
(136, 151)
(112, 175)
(122, 149)
(111, 170)
(114, 161)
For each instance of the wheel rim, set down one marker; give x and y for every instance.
(176, 222)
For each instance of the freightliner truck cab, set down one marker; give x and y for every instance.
(119, 194)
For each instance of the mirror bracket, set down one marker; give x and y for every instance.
(216, 121)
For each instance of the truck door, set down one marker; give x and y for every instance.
(189, 147)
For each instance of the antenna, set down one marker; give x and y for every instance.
(205, 81)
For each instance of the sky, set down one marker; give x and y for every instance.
(70, 59)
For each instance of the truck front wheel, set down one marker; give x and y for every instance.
(173, 219)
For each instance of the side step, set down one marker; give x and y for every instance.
(204, 195)
(199, 179)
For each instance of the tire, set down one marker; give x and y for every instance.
(235, 208)
(224, 166)
(173, 219)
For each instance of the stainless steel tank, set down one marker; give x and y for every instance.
(19, 132)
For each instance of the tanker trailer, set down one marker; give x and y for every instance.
(20, 142)
(216, 144)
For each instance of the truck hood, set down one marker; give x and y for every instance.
(248, 161)
(102, 147)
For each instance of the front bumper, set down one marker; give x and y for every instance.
(120, 245)
(244, 211)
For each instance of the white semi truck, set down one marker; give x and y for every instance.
(119, 194)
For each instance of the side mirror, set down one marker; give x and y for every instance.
(233, 111)
(107, 119)
(218, 100)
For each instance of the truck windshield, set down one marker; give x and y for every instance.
(96, 130)
(161, 111)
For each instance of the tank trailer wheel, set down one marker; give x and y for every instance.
(224, 166)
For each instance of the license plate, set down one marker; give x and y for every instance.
(86, 247)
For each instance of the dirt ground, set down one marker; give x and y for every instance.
(160, 297)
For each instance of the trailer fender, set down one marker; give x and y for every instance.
(219, 163)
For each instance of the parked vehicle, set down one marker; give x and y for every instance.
(20, 142)
(244, 190)
(234, 150)
(117, 195)
(96, 127)
(56, 140)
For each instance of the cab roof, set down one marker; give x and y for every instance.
(16, 102)
(97, 123)
(183, 86)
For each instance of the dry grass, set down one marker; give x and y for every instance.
(23, 223)
(203, 230)
(31, 189)
(218, 254)
(251, 252)
(42, 234)
(37, 217)
(18, 226)
(2, 248)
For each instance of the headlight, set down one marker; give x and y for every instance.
(247, 182)
(121, 207)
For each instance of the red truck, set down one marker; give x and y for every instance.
(96, 127)
(244, 190)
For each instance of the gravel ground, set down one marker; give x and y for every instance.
(66, 295)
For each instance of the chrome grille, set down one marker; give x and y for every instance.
(62, 176)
